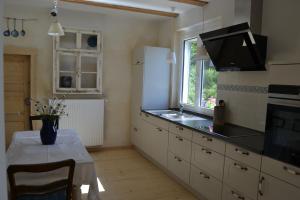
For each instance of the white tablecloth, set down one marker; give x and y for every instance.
(26, 148)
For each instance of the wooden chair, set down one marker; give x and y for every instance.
(39, 118)
(58, 190)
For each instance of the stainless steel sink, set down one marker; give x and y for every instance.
(175, 115)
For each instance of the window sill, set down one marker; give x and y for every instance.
(199, 111)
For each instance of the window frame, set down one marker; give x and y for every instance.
(188, 107)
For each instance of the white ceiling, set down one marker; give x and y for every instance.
(162, 5)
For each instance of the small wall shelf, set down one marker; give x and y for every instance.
(77, 62)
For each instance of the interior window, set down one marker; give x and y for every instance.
(199, 83)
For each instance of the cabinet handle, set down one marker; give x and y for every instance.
(291, 171)
(236, 195)
(206, 151)
(240, 167)
(135, 129)
(180, 128)
(204, 175)
(242, 152)
(179, 138)
(260, 186)
(159, 129)
(207, 139)
(177, 158)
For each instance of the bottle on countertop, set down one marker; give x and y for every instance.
(219, 116)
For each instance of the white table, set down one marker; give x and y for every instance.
(26, 148)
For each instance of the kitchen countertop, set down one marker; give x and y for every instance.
(246, 138)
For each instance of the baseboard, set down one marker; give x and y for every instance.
(103, 148)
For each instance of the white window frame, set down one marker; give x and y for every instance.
(188, 107)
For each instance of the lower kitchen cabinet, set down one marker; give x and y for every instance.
(208, 160)
(180, 146)
(232, 194)
(179, 167)
(155, 142)
(242, 177)
(208, 186)
(159, 143)
(271, 188)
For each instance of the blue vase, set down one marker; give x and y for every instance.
(48, 132)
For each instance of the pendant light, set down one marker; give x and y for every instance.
(171, 57)
(55, 28)
(201, 53)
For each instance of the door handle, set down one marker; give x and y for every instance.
(260, 186)
(27, 101)
(291, 171)
(240, 167)
(242, 152)
(237, 196)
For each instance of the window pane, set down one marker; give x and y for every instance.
(190, 72)
(209, 85)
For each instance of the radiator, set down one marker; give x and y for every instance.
(86, 116)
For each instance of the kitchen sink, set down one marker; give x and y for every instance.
(175, 115)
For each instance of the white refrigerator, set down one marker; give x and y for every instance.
(150, 79)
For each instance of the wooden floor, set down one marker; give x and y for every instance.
(126, 175)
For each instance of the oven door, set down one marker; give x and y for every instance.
(282, 139)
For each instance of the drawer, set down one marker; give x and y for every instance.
(241, 177)
(208, 160)
(180, 146)
(210, 142)
(274, 189)
(180, 130)
(286, 172)
(244, 156)
(232, 194)
(155, 121)
(208, 186)
(179, 167)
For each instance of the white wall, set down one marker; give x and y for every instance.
(3, 186)
(121, 35)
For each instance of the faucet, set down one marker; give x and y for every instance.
(181, 107)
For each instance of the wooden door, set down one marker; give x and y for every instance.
(17, 94)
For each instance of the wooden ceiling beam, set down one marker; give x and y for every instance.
(123, 8)
(192, 2)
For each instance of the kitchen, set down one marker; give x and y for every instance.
(172, 77)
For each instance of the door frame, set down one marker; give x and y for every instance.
(32, 53)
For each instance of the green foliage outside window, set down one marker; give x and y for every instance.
(209, 80)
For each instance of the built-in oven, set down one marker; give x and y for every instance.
(282, 137)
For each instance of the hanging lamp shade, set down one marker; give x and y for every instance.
(171, 58)
(56, 29)
(201, 53)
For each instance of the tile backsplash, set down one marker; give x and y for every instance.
(245, 105)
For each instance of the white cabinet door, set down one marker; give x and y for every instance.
(281, 170)
(146, 143)
(154, 142)
(160, 146)
(180, 146)
(179, 167)
(206, 185)
(232, 194)
(241, 177)
(271, 188)
(208, 160)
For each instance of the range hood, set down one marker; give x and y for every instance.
(239, 47)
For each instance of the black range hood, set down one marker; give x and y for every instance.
(235, 48)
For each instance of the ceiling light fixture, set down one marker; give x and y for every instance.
(55, 28)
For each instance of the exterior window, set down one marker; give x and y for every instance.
(199, 81)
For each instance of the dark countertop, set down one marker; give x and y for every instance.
(246, 138)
